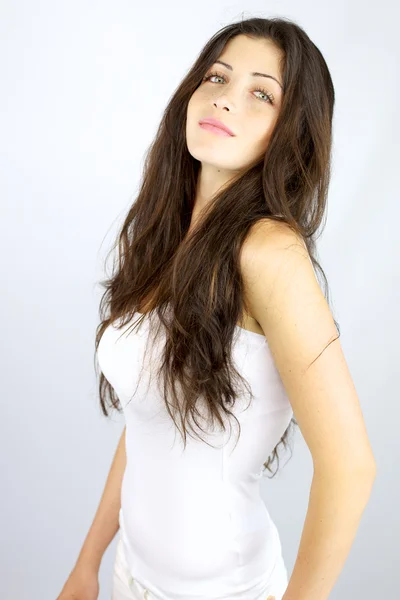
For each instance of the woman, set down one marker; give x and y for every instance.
(216, 271)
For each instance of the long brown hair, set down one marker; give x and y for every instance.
(194, 281)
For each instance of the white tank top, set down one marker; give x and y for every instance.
(192, 522)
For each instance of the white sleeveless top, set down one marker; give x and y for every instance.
(192, 522)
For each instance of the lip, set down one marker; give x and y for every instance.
(216, 123)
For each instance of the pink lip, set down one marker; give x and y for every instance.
(216, 126)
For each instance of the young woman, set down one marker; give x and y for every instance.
(216, 277)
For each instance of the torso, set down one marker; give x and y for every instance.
(247, 321)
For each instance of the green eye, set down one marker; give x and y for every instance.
(269, 96)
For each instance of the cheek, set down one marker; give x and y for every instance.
(255, 139)
(192, 114)
(195, 106)
(259, 130)
(202, 95)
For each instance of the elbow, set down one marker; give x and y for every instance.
(372, 469)
(363, 476)
(367, 467)
(372, 465)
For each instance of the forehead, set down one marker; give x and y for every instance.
(246, 54)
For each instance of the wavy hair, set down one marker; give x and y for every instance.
(192, 283)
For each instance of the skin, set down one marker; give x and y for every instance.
(285, 297)
(235, 101)
(287, 302)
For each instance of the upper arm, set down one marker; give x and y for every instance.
(284, 296)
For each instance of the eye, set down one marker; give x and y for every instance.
(270, 97)
(268, 94)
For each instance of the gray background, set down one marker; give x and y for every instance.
(83, 86)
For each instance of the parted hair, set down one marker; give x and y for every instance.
(193, 280)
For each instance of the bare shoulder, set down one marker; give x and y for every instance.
(270, 235)
(271, 249)
(284, 296)
(281, 288)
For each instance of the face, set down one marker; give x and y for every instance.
(249, 105)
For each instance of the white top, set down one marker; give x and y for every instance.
(192, 521)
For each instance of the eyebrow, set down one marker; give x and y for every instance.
(254, 74)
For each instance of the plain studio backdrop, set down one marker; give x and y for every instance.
(83, 88)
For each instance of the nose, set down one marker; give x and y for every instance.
(223, 102)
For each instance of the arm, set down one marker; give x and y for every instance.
(285, 298)
(105, 524)
(337, 501)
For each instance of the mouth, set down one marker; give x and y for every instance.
(216, 127)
